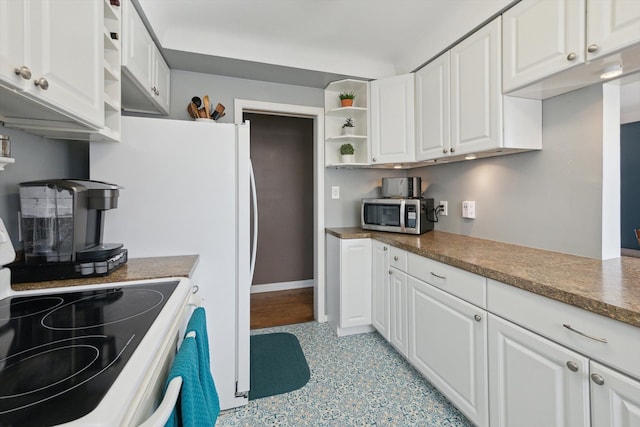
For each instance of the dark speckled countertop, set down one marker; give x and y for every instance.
(607, 287)
(134, 269)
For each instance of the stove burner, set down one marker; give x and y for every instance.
(104, 308)
(24, 307)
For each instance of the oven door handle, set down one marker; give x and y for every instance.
(161, 415)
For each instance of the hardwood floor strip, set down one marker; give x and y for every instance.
(281, 308)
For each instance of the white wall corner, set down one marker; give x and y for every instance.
(610, 171)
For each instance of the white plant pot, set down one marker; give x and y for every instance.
(347, 158)
(349, 130)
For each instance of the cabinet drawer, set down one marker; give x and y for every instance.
(398, 258)
(468, 286)
(547, 317)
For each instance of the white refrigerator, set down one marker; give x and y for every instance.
(186, 190)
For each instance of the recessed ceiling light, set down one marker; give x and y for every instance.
(470, 157)
(397, 167)
(611, 71)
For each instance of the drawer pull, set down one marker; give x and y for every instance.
(389, 272)
(395, 258)
(439, 277)
(385, 248)
(603, 340)
(573, 366)
(597, 378)
(477, 318)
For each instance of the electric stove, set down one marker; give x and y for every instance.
(84, 355)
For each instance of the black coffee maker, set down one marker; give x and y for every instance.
(61, 228)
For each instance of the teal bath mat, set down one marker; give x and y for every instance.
(278, 365)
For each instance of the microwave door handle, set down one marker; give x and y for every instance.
(402, 209)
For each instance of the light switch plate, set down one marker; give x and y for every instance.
(335, 192)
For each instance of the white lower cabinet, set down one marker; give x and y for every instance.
(380, 308)
(349, 285)
(398, 333)
(534, 381)
(615, 398)
(448, 345)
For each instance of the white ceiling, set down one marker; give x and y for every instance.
(310, 42)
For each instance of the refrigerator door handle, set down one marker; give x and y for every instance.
(254, 200)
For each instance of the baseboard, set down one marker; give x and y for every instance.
(282, 286)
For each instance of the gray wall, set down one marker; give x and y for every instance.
(550, 199)
(629, 184)
(223, 90)
(37, 158)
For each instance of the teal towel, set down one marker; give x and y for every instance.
(198, 404)
(198, 324)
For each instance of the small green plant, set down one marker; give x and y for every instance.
(347, 95)
(346, 149)
(348, 123)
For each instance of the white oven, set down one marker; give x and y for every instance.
(134, 392)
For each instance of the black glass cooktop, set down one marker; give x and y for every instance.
(60, 353)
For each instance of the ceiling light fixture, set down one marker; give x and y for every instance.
(397, 167)
(470, 157)
(611, 71)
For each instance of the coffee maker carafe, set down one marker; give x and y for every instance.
(62, 222)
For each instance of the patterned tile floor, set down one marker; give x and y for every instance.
(357, 380)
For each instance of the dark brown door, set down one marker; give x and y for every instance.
(282, 158)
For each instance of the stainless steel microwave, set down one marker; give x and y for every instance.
(409, 216)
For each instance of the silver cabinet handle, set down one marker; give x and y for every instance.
(395, 258)
(573, 366)
(592, 48)
(42, 83)
(385, 248)
(23, 72)
(477, 318)
(453, 149)
(597, 378)
(374, 160)
(439, 277)
(445, 151)
(153, 89)
(603, 340)
(389, 272)
(571, 56)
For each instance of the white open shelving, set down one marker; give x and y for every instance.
(112, 75)
(336, 115)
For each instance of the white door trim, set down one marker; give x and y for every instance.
(317, 114)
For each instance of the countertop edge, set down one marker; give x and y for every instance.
(614, 312)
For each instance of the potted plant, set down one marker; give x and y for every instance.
(346, 153)
(348, 127)
(346, 98)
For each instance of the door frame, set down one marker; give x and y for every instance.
(317, 114)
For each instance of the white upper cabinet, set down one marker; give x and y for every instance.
(611, 25)
(39, 48)
(542, 37)
(145, 87)
(476, 91)
(392, 120)
(433, 128)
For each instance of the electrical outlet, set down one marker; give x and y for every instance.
(469, 209)
(445, 208)
(335, 192)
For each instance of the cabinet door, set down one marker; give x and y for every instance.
(355, 282)
(615, 398)
(392, 120)
(398, 325)
(541, 38)
(611, 26)
(476, 91)
(14, 41)
(75, 86)
(380, 288)
(162, 82)
(448, 345)
(137, 50)
(433, 127)
(535, 382)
